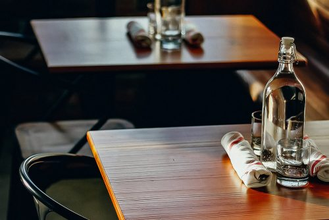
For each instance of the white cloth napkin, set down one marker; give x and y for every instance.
(192, 36)
(246, 164)
(319, 163)
(138, 35)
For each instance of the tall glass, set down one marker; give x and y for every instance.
(152, 20)
(169, 22)
(256, 131)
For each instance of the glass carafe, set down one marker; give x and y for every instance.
(283, 111)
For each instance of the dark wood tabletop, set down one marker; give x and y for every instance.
(101, 44)
(184, 173)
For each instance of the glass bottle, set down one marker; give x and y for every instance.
(283, 110)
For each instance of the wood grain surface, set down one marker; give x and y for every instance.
(101, 44)
(184, 173)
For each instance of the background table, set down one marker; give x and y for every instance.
(184, 173)
(101, 44)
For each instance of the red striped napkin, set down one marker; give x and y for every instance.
(319, 163)
(246, 164)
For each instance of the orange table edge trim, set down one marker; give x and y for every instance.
(105, 179)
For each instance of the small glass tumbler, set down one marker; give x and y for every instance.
(256, 132)
(292, 162)
(169, 22)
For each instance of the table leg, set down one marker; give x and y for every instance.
(105, 88)
(83, 140)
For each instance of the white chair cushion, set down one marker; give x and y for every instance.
(88, 197)
(60, 136)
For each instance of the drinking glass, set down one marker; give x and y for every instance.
(151, 20)
(256, 132)
(292, 161)
(169, 20)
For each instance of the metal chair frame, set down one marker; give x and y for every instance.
(22, 38)
(68, 87)
(47, 162)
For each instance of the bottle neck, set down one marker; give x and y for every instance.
(286, 67)
(286, 58)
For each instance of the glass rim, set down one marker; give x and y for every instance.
(257, 115)
(293, 143)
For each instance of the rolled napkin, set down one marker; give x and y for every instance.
(246, 164)
(318, 163)
(192, 36)
(138, 35)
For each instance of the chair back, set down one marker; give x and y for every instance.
(40, 171)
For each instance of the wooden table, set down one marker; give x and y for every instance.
(101, 44)
(184, 173)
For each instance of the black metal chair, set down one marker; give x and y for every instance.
(44, 134)
(67, 185)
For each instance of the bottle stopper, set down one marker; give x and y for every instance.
(287, 42)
